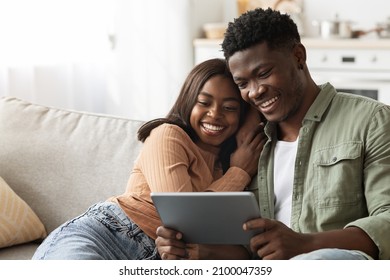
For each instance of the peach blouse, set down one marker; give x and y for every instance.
(171, 162)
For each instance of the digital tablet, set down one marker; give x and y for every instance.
(208, 217)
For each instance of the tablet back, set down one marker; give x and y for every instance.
(208, 217)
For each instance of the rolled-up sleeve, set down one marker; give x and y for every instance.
(377, 182)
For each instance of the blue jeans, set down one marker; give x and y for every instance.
(332, 254)
(103, 232)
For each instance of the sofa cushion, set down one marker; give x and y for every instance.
(62, 161)
(23, 251)
(18, 222)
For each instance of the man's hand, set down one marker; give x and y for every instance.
(170, 245)
(277, 241)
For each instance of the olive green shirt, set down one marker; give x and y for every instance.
(342, 168)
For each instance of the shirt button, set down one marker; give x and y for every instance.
(334, 159)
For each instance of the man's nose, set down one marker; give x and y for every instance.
(255, 91)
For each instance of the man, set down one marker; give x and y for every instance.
(324, 173)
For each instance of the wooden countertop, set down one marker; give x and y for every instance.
(318, 43)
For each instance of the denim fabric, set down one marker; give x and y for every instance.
(333, 254)
(103, 232)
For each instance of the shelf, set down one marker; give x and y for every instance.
(316, 43)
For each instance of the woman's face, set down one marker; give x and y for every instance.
(216, 113)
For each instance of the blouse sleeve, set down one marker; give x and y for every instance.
(235, 179)
(164, 161)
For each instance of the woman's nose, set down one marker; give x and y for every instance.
(214, 112)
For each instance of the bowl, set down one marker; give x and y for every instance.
(214, 30)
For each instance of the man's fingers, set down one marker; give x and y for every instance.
(168, 233)
(258, 223)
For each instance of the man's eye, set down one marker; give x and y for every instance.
(265, 74)
(241, 85)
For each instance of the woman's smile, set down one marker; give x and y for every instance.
(211, 129)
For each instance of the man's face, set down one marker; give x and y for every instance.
(269, 80)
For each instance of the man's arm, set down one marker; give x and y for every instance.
(280, 242)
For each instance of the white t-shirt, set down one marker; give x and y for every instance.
(284, 160)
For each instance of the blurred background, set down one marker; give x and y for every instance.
(127, 57)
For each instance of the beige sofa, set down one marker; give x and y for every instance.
(59, 162)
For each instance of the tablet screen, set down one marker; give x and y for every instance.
(208, 217)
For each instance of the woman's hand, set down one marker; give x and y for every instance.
(250, 142)
(252, 121)
(170, 245)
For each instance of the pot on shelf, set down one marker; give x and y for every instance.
(383, 29)
(334, 28)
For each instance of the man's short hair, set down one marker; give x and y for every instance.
(257, 26)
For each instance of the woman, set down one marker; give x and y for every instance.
(192, 149)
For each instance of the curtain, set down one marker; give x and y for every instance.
(153, 54)
(55, 52)
(120, 57)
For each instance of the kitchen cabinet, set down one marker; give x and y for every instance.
(360, 66)
(207, 48)
(210, 48)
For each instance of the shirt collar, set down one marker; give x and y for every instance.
(316, 110)
(321, 103)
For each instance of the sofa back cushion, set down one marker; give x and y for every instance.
(60, 161)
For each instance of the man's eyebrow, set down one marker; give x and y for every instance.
(253, 71)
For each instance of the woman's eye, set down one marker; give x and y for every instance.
(202, 103)
(231, 108)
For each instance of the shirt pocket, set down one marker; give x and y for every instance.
(339, 175)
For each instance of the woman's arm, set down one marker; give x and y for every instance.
(169, 162)
(244, 161)
(166, 158)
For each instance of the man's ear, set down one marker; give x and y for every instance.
(300, 54)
